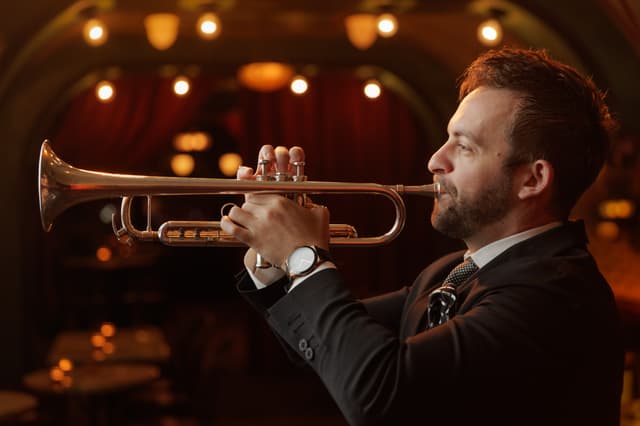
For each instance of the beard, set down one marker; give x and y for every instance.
(466, 215)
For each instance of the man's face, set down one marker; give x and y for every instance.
(469, 166)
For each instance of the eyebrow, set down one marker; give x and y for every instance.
(465, 134)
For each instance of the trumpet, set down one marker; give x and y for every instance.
(62, 186)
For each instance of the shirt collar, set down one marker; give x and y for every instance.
(489, 252)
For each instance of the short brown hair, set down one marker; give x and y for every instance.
(562, 116)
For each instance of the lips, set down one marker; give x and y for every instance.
(446, 189)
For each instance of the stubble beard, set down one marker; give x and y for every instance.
(465, 216)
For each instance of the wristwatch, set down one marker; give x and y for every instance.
(304, 259)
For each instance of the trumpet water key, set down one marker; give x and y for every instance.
(61, 186)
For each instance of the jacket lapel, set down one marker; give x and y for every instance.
(415, 311)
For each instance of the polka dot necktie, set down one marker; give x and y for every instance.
(442, 301)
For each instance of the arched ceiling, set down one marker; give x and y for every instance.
(43, 56)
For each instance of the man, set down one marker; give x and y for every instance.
(531, 337)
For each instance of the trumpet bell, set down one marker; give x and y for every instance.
(54, 177)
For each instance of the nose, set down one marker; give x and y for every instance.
(439, 162)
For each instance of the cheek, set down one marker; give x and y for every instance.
(464, 185)
(474, 178)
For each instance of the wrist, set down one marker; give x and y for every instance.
(305, 259)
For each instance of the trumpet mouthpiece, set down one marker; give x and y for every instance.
(430, 190)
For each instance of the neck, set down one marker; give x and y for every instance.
(516, 221)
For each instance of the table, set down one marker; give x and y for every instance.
(93, 393)
(136, 344)
(94, 378)
(14, 405)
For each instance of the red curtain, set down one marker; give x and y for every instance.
(133, 131)
(346, 136)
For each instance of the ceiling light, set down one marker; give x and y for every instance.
(361, 30)
(181, 85)
(490, 32)
(387, 25)
(299, 85)
(209, 26)
(105, 91)
(94, 32)
(372, 89)
(265, 76)
(161, 29)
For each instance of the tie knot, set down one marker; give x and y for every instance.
(461, 272)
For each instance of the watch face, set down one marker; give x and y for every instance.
(301, 260)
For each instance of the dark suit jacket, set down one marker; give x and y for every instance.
(536, 341)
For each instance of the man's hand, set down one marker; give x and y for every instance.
(271, 224)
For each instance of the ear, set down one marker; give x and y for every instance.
(536, 179)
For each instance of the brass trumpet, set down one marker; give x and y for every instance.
(62, 186)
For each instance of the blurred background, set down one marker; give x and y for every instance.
(98, 332)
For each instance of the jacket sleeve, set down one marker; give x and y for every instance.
(360, 360)
(498, 349)
(387, 308)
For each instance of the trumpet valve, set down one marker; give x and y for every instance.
(263, 172)
(299, 175)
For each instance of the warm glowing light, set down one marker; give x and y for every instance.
(265, 76)
(98, 340)
(617, 209)
(181, 85)
(109, 348)
(490, 32)
(192, 141)
(387, 25)
(608, 230)
(105, 91)
(94, 32)
(56, 374)
(107, 329)
(182, 164)
(299, 85)
(104, 254)
(209, 26)
(372, 89)
(229, 163)
(361, 30)
(65, 364)
(161, 29)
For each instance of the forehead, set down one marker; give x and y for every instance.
(484, 113)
